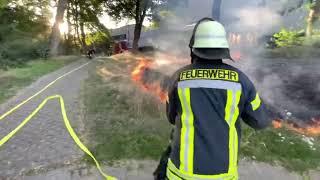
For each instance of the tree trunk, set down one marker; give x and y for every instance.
(141, 11)
(69, 35)
(83, 37)
(69, 13)
(55, 34)
(310, 22)
(216, 9)
(137, 27)
(313, 16)
(137, 34)
(81, 24)
(76, 22)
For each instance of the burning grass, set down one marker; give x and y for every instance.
(125, 102)
(312, 128)
(126, 123)
(142, 75)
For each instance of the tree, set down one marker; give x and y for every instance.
(55, 35)
(82, 16)
(132, 9)
(313, 16)
(216, 9)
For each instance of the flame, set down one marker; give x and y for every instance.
(137, 73)
(154, 88)
(311, 129)
(237, 39)
(277, 124)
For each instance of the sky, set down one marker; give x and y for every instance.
(111, 24)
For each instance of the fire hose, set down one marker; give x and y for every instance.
(64, 116)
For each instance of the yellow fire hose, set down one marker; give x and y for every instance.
(65, 119)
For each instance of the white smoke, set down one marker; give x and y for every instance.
(257, 19)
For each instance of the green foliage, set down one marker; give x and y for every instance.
(82, 16)
(3, 3)
(99, 40)
(166, 14)
(312, 4)
(23, 36)
(153, 26)
(286, 38)
(87, 12)
(135, 9)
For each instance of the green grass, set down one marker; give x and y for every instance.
(124, 124)
(16, 78)
(281, 147)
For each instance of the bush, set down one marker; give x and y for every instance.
(23, 36)
(16, 53)
(286, 38)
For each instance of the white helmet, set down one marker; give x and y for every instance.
(209, 40)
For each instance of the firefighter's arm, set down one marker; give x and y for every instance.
(254, 113)
(172, 101)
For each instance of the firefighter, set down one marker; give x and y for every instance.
(206, 101)
(91, 53)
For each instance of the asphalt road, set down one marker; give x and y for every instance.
(44, 141)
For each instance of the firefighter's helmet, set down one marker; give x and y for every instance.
(209, 40)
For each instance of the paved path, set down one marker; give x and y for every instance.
(248, 170)
(44, 140)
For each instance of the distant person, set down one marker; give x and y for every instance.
(91, 53)
(205, 103)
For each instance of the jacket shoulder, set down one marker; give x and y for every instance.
(243, 78)
(176, 75)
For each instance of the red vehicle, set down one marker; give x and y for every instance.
(120, 47)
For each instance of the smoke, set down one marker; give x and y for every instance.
(256, 19)
(290, 87)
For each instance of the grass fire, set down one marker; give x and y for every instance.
(148, 79)
(152, 81)
(311, 128)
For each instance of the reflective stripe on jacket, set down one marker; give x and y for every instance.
(205, 104)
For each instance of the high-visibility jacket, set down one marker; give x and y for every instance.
(205, 103)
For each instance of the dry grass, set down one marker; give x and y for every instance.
(126, 122)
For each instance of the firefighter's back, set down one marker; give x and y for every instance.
(211, 98)
(205, 103)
